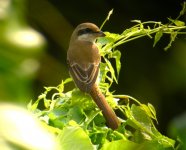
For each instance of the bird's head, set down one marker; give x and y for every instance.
(87, 32)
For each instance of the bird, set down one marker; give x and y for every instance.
(83, 60)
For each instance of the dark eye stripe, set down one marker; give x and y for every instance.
(85, 31)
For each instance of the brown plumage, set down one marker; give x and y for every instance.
(83, 59)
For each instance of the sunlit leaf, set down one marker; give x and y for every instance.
(153, 111)
(107, 18)
(120, 145)
(113, 36)
(141, 118)
(61, 86)
(153, 145)
(76, 114)
(117, 55)
(157, 37)
(74, 137)
(150, 111)
(90, 116)
(177, 22)
(111, 70)
(172, 38)
(105, 40)
(103, 72)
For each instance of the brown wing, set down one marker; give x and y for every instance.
(84, 78)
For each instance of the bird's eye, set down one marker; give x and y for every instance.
(88, 30)
(85, 31)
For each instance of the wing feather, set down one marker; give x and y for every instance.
(84, 77)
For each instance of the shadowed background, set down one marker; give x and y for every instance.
(148, 74)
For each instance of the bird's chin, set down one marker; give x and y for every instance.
(87, 37)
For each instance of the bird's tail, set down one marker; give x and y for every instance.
(108, 113)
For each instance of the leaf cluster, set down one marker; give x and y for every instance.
(78, 123)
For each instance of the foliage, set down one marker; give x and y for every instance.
(20, 46)
(77, 121)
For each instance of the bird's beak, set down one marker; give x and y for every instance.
(101, 34)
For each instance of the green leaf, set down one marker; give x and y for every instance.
(117, 55)
(166, 142)
(120, 145)
(153, 111)
(67, 80)
(57, 117)
(150, 110)
(111, 69)
(107, 18)
(98, 136)
(162, 140)
(82, 100)
(112, 35)
(60, 88)
(103, 72)
(105, 40)
(90, 116)
(177, 22)
(154, 145)
(141, 118)
(158, 36)
(74, 138)
(172, 38)
(33, 107)
(76, 114)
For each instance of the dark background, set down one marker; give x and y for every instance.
(148, 74)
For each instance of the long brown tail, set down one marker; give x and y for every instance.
(108, 113)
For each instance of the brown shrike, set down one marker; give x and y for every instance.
(83, 59)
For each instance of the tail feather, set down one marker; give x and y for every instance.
(108, 113)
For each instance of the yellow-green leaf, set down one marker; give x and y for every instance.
(157, 37)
